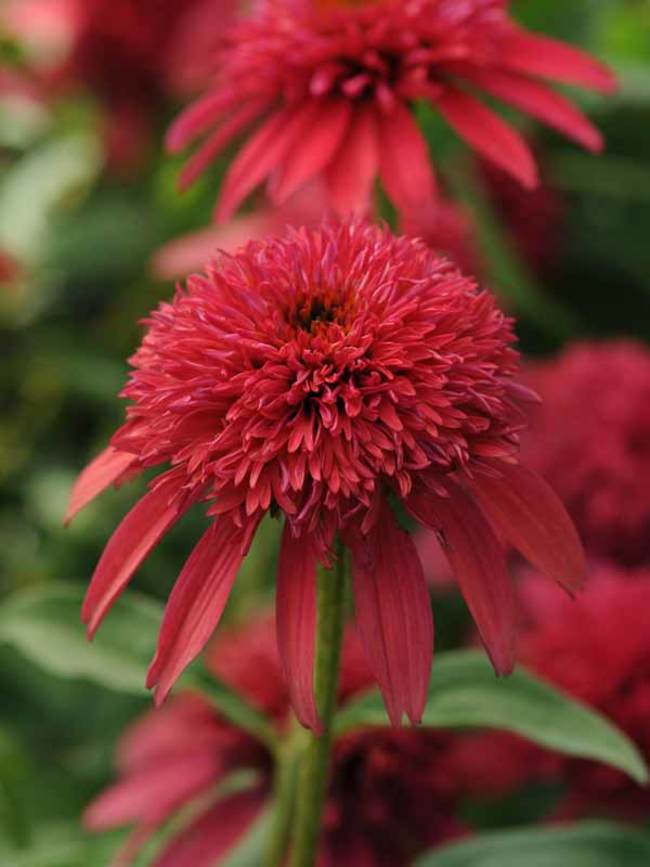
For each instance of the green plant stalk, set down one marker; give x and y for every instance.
(284, 799)
(315, 759)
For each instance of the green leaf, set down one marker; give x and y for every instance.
(590, 844)
(464, 692)
(44, 625)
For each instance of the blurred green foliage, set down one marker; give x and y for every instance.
(69, 320)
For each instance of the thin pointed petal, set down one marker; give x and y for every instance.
(393, 613)
(527, 511)
(196, 603)
(489, 134)
(352, 171)
(138, 533)
(296, 623)
(317, 147)
(100, 473)
(197, 119)
(541, 102)
(404, 162)
(479, 563)
(533, 54)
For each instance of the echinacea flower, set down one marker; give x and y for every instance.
(390, 796)
(599, 653)
(598, 459)
(327, 89)
(321, 376)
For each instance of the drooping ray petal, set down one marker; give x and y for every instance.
(393, 613)
(527, 511)
(206, 840)
(196, 603)
(478, 561)
(261, 154)
(351, 173)
(213, 145)
(138, 533)
(533, 54)
(197, 119)
(296, 623)
(103, 471)
(489, 134)
(317, 147)
(404, 162)
(541, 102)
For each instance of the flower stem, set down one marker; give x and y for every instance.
(313, 776)
(284, 797)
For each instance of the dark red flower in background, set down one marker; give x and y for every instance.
(132, 53)
(390, 797)
(327, 89)
(599, 652)
(317, 376)
(591, 439)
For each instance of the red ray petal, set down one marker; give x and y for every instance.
(393, 612)
(215, 143)
(404, 162)
(296, 623)
(196, 603)
(541, 102)
(101, 472)
(262, 153)
(317, 147)
(534, 54)
(138, 533)
(197, 119)
(527, 511)
(478, 561)
(352, 171)
(488, 134)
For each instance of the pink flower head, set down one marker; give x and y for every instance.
(320, 376)
(598, 458)
(327, 88)
(391, 795)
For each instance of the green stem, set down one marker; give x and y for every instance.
(313, 777)
(284, 796)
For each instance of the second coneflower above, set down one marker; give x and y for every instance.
(325, 376)
(328, 89)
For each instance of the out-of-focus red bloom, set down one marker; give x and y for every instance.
(9, 269)
(316, 375)
(534, 218)
(591, 439)
(328, 90)
(599, 652)
(132, 53)
(390, 796)
(447, 228)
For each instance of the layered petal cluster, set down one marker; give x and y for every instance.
(599, 653)
(321, 376)
(327, 89)
(391, 794)
(598, 458)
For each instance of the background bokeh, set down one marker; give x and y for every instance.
(77, 237)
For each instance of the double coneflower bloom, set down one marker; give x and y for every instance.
(328, 376)
(328, 89)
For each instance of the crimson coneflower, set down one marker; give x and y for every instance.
(602, 478)
(325, 376)
(327, 88)
(390, 797)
